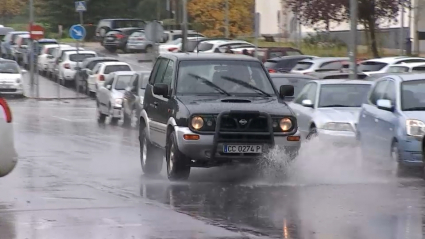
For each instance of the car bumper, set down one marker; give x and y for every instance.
(114, 44)
(12, 90)
(136, 47)
(68, 75)
(202, 148)
(117, 112)
(338, 138)
(411, 152)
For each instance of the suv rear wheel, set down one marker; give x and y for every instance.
(177, 168)
(151, 158)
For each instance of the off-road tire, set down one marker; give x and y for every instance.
(177, 163)
(151, 158)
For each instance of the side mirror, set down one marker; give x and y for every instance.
(24, 71)
(385, 105)
(286, 90)
(109, 87)
(161, 89)
(307, 103)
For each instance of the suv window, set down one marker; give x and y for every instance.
(334, 65)
(371, 66)
(161, 70)
(378, 91)
(169, 72)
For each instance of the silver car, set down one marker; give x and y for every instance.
(110, 96)
(330, 109)
(321, 64)
(137, 42)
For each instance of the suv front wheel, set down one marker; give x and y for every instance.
(177, 163)
(151, 158)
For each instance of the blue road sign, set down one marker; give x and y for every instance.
(80, 6)
(77, 32)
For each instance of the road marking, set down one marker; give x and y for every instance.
(62, 118)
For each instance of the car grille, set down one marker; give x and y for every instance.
(244, 123)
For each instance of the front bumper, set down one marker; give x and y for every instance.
(116, 112)
(411, 152)
(12, 89)
(338, 138)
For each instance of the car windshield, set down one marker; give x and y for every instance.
(413, 95)
(297, 82)
(223, 77)
(122, 82)
(398, 69)
(9, 67)
(80, 57)
(343, 95)
(300, 66)
(371, 66)
(418, 69)
(114, 68)
(205, 46)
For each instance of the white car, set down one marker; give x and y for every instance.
(381, 65)
(320, 64)
(407, 67)
(175, 45)
(100, 72)
(68, 64)
(51, 58)
(43, 60)
(11, 79)
(8, 155)
(58, 55)
(109, 97)
(220, 45)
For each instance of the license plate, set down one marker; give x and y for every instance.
(237, 149)
(110, 38)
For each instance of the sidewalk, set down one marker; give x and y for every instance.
(48, 89)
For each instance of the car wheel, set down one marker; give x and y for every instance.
(177, 163)
(312, 133)
(151, 158)
(397, 167)
(100, 116)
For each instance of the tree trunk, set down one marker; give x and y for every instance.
(372, 31)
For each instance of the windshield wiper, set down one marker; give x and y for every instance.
(326, 106)
(247, 85)
(420, 108)
(210, 84)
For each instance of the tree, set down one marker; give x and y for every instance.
(370, 13)
(211, 14)
(10, 8)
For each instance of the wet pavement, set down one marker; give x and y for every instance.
(78, 179)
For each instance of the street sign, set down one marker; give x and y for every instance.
(154, 31)
(80, 6)
(77, 32)
(36, 32)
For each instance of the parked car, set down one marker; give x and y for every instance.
(59, 53)
(11, 78)
(392, 121)
(43, 58)
(8, 42)
(407, 67)
(321, 64)
(70, 64)
(37, 50)
(8, 155)
(176, 45)
(101, 71)
(172, 35)
(198, 112)
(330, 109)
(192, 44)
(336, 75)
(284, 64)
(296, 80)
(87, 65)
(219, 45)
(3, 32)
(133, 98)
(116, 39)
(266, 53)
(106, 25)
(381, 65)
(20, 48)
(52, 59)
(109, 97)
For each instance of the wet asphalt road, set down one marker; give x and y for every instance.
(78, 179)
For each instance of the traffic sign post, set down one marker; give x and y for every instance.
(78, 33)
(36, 33)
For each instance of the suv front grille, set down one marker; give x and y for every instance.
(243, 123)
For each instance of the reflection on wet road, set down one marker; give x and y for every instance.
(77, 179)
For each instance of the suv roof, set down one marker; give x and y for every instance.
(208, 56)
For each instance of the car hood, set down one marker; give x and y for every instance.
(419, 115)
(216, 105)
(9, 77)
(338, 114)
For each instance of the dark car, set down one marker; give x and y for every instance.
(8, 42)
(88, 64)
(117, 38)
(106, 25)
(133, 98)
(206, 110)
(296, 80)
(272, 52)
(284, 64)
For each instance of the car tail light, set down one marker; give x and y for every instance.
(119, 36)
(172, 49)
(101, 78)
(6, 109)
(66, 66)
(272, 71)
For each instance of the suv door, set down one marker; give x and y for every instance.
(156, 127)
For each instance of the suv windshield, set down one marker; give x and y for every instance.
(343, 95)
(371, 66)
(413, 95)
(9, 67)
(114, 68)
(223, 77)
(122, 82)
(80, 57)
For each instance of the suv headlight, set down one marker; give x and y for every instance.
(118, 102)
(285, 124)
(415, 127)
(197, 122)
(337, 126)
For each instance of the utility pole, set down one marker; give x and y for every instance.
(401, 34)
(184, 26)
(353, 31)
(227, 20)
(32, 47)
(158, 10)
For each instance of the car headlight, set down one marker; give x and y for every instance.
(336, 126)
(141, 100)
(285, 124)
(118, 101)
(197, 122)
(415, 127)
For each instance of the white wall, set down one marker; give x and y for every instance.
(268, 10)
